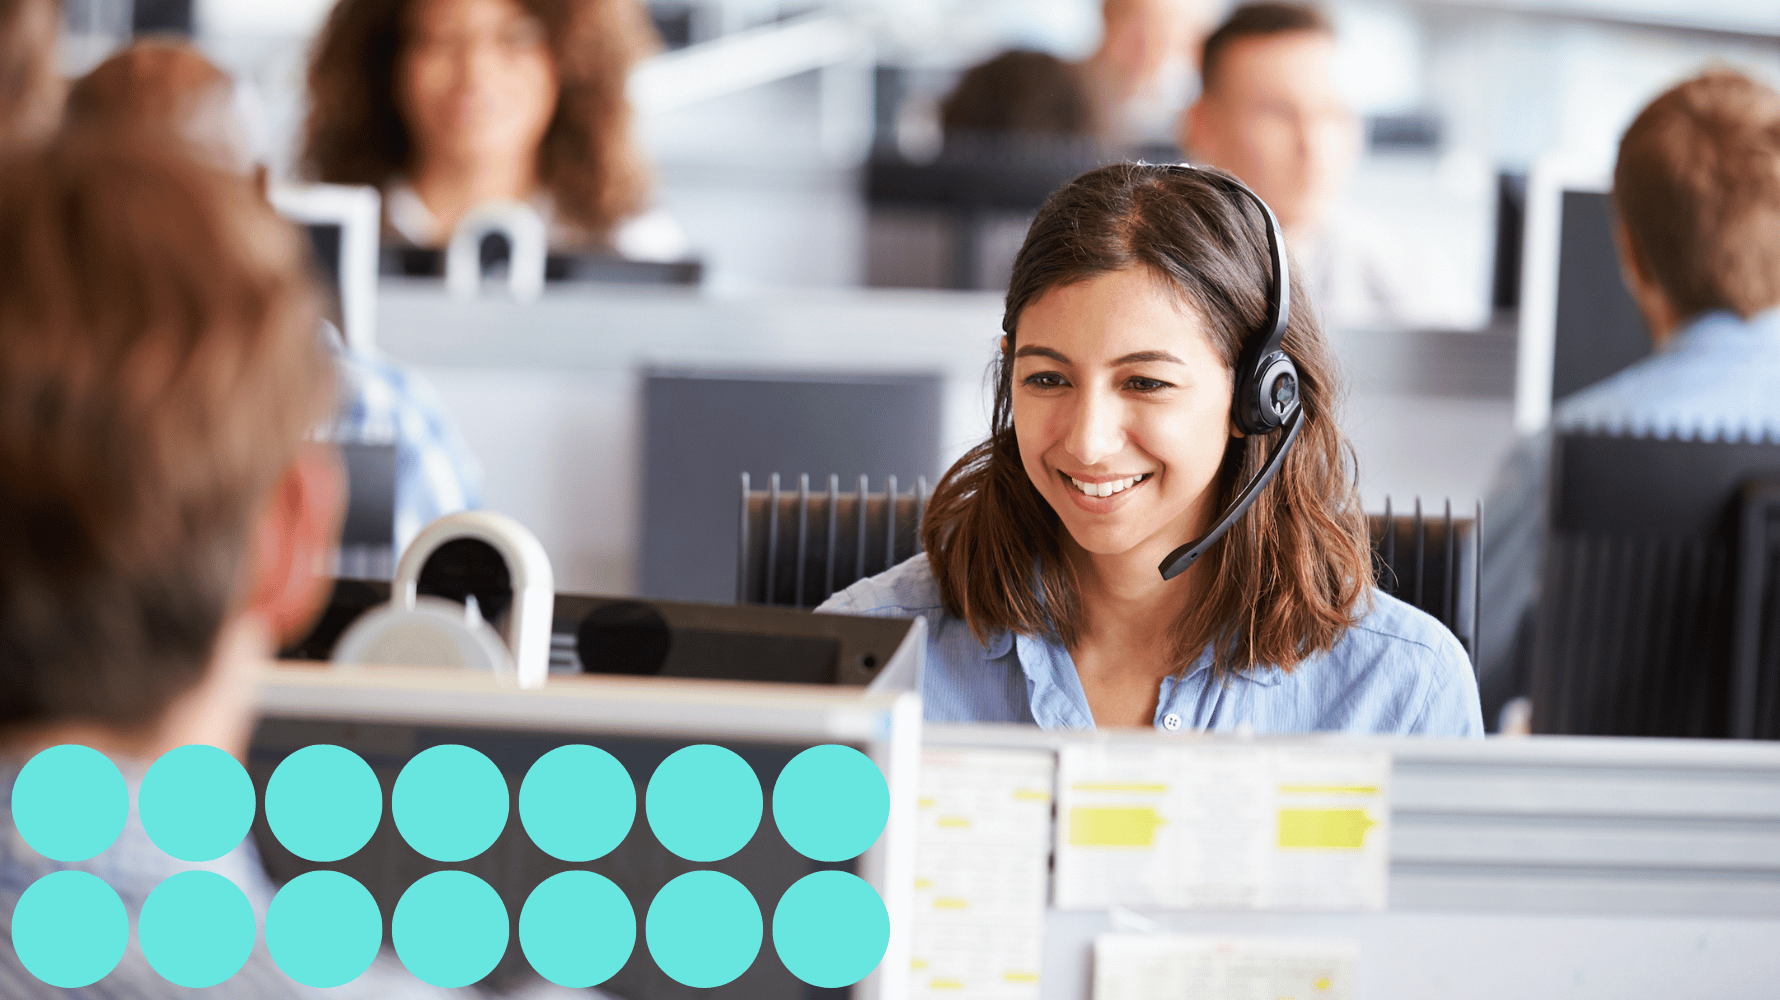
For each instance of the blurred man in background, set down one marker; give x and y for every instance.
(1270, 111)
(1696, 190)
(1143, 72)
(168, 89)
(1126, 94)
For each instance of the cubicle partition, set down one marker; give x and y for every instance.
(388, 715)
(1323, 866)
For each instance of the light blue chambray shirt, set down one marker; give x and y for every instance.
(1399, 671)
(1717, 378)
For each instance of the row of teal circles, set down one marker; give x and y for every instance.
(450, 803)
(450, 929)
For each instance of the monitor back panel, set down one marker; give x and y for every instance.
(514, 866)
(1599, 330)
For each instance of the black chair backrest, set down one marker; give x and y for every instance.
(1431, 562)
(1657, 612)
(823, 539)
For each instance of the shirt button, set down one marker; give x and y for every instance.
(1171, 722)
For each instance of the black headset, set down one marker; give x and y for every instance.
(1267, 397)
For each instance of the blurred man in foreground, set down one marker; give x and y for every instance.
(30, 88)
(162, 515)
(1270, 111)
(1696, 190)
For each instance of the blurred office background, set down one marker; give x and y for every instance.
(775, 130)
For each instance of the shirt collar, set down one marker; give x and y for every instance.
(1057, 698)
(1722, 324)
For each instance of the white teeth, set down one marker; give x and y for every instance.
(1107, 489)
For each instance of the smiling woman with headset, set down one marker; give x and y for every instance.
(1163, 527)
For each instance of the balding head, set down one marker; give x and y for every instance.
(164, 87)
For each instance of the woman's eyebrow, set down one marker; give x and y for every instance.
(1030, 351)
(1140, 357)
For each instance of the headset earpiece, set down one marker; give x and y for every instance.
(1268, 395)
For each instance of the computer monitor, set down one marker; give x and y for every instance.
(343, 224)
(1578, 323)
(389, 714)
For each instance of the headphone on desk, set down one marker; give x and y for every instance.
(1267, 397)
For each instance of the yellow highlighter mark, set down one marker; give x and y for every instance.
(1031, 795)
(1020, 977)
(1327, 829)
(945, 984)
(923, 883)
(1145, 787)
(917, 964)
(1105, 826)
(955, 822)
(951, 903)
(925, 802)
(1328, 789)
(1322, 983)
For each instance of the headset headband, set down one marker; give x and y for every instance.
(1266, 396)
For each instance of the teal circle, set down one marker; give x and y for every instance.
(69, 929)
(196, 803)
(577, 803)
(450, 929)
(196, 929)
(577, 929)
(323, 929)
(323, 803)
(831, 929)
(703, 803)
(831, 803)
(703, 929)
(69, 802)
(450, 803)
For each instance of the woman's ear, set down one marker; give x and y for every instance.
(298, 530)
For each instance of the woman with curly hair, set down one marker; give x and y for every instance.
(445, 104)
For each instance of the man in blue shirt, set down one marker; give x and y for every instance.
(1696, 190)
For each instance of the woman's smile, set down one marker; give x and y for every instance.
(1103, 494)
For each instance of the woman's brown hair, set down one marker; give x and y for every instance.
(1295, 571)
(588, 160)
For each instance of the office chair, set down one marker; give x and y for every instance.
(823, 539)
(1658, 614)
